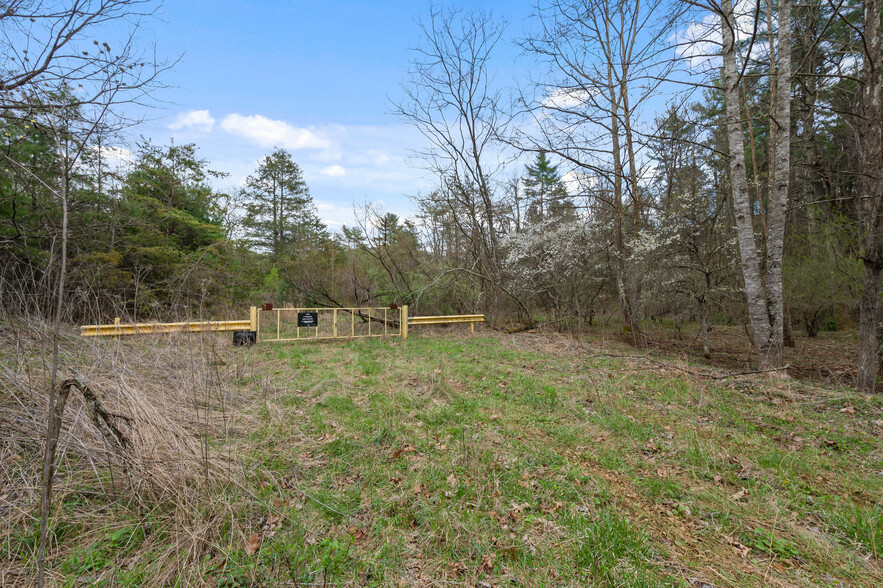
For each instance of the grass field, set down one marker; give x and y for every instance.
(483, 460)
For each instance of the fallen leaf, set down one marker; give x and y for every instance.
(741, 550)
(452, 480)
(458, 568)
(487, 563)
(406, 448)
(252, 544)
(739, 495)
(848, 409)
(358, 533)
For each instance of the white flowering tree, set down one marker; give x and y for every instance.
(559, 267)
(690, 248)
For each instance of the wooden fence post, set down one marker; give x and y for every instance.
(403, 321)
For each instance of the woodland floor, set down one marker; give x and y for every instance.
(504, 460)
(828, 359)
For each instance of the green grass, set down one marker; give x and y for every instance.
(860, 524)
(460, 460)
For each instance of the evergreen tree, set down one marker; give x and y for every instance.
(280, 216)
(546, 194)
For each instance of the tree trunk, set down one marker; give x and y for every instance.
(867, 328)
(778, 202)
(635, 286)
(763, 292)
(750, 263)
(53, 428)
(788, 338)
(703, 325)
(622, 281)
(871, 192)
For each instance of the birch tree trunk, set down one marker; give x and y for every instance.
(778, 199)
(763, 289)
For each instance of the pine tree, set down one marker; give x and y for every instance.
(280, 215)
(545, 192)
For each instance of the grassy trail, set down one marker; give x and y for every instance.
(531, 459)
(528, 460)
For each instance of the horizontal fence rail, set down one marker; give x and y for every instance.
(445, 320)
(296, 324)
(119, 328)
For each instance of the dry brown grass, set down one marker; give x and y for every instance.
(170, 395)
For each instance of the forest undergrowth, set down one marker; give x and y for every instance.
(450, 459)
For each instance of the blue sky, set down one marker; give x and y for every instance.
(315, 78)
(312, 77)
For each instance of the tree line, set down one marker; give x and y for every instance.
(723, 162)
(679, 161)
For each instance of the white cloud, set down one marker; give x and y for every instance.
(334, 171)
(267, 132)
(700, 42)
(118, 155)
(565, 98)
(201, 120)
(117, 158)
(380, 157)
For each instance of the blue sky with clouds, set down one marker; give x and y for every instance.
(315, 78)
(312, 77)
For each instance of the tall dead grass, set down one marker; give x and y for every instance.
(171, 398)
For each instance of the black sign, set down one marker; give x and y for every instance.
(308, 319)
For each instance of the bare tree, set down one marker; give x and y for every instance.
(449, 97)
(46, 47)
(59, 70)
(605, 61)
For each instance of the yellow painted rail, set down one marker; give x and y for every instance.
(283, 324)
(446, 320)
(119, 328)
(373, 322)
